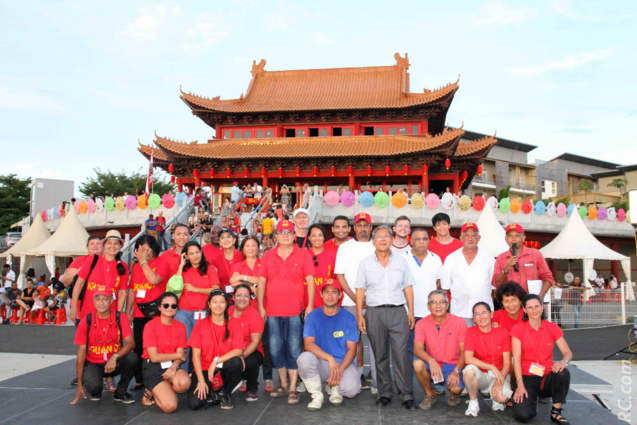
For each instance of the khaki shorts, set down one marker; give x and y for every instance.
(486, 382)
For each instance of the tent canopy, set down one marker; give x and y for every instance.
(492, 235)
(36, 236)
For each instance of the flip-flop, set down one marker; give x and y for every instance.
(111, 386)
(279, 392)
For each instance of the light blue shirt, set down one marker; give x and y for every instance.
(384, 285)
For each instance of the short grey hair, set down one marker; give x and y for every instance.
(437, 292)
(382, 227)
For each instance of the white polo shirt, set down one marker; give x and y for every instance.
(10, 275)
(468, 284)
(425, 277)
(348, 258)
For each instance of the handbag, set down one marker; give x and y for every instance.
(217, 381)
(149, 309)
(175, 285)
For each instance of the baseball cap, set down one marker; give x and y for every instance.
(469, 225)
(363, 216)
(299, 211)
(206, 213)
(235, 183)
(335, 283)
(284, 225)
(101, 291)
(516, 227)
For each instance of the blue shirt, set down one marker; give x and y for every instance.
(332, 333)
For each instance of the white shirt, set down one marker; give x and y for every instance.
(613, 283)
(348, 258)
(396, 250)
(10, 275)
(468, 284)
(258, 193)
(208, 191)
(425, 277)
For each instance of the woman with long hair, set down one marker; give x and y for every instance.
(247, 318)
(537, 375)
(323, 260)
(216, 356)
(225, 260)
(165, 345)
(199, 280)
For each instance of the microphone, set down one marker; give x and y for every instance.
(514, 251)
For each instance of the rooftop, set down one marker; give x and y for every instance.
(586, 161)
(505, 143)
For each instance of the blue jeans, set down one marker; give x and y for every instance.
(163, 245)
(577, 310)
(410, 343)
(286, 341)
(188, 319)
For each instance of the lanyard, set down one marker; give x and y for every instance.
(163, 331)
(214, 338)
(538, 346)
(105, 334)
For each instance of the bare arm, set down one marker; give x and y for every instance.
(346, 288)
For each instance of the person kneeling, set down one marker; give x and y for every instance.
(164, 351)
(330, 336)
(487, 352)
(105, 349)
(216, 350)
(443, 334)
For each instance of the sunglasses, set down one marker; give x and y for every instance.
(315, 260)
(167, 306)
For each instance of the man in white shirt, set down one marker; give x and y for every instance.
(467, 274)
(402, 229)
(8, 276)
(426, 268)
(348, 258)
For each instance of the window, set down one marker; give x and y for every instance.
(337, 131)
(378, 131)
(415, 129)
(368, 131)
(300, 133)
(347, 132)
(290, 132)
(269, 134)
(323, 132)
(237, 134)
(314, 132)
(392, 131)
(247, 134)
(554, 187)
(259, 134)
(226, 134)
(402, 131)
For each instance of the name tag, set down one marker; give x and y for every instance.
(536, 369)
(166, 365)
(339, 334)
(141, 293)
(200, 315)
(229, 289)
(528, 265)
(105, 356)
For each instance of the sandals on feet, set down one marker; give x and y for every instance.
(556, 416)
(111, 386)
(148, 399)
(269, 386)
(293, 397)
(279, 392)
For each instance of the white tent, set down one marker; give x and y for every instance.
(68, 241)
(575, 241)
(491, 233)
(35, 236)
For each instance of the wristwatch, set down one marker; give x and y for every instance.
(457, 370)
(116, 355)
(254, 285)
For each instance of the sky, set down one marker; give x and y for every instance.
(82, 82)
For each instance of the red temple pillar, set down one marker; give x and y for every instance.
(456, 183)
(179, 189)
(425, 184)
(265, 181)
(351, 182)
(324, 188)
(614, 265)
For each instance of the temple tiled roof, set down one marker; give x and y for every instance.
(158, 154)
(478, 147)
(313, 147)
(382, 87)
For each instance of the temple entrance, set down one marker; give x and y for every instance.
(440, 186)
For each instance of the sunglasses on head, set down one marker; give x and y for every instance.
(167, 306)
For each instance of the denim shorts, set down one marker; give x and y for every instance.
(286, 341)
(446, 371)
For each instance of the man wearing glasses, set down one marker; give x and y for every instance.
(467, 274)
(443, 334)
(384, 282)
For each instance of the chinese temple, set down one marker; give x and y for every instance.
(353, 126)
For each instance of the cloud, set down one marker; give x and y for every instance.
(500, 14)
(13, 97)
(322, 40)
(145, 26)
(568, 63)
(204, 34)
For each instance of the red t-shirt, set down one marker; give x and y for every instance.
(442, 342)
(488, 347)
(224, 266)
(501, 317)
(210, 252)
(103, 277)
(173, 259)
(243, 268)
(78, 262)
(331, 245)
(208, 337)
(144, 291)
(166, 338)
(537, 346)
(250, 322)
(103, 338)
(285, 285)
(161, 221)
(444, 250)
(322, 272)
(193, 301)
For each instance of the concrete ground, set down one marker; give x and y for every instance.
(38, 367)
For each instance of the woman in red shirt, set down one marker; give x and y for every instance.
(199, 280)
(248, 320)
(216, 355)
(538, 376)
(227, 258)
(165, 345)
(323, 260)
(510, 295)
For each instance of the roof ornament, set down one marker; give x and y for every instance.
(402, 62)
(257, 68)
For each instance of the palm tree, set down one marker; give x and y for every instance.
(585, 186)
(620, 184)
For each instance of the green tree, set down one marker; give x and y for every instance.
(620, 184)
(585, 186)
(14, 200)
(103, 183)
(504, 193)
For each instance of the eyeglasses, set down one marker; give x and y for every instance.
(285, 232)
(438, 302)
(315, 258)
(167, 306)
(470, 236)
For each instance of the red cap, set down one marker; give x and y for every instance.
(514, 226)
(335, 283)
(284, 224)
(469, 225)
(101, 290)
(363, 216)
(235, 183)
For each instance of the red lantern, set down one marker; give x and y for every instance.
(262, 171)
(369, 170)
(464, 175)
(298, 171)
(349, 170)
(406, 169)
(195, 173)
(212, 173)
(172, 179)
(280, 172)
(245, 172)
(537, 244)
(332, 170)
(315, 171)
(425, 168)
(171, 168)
(387, 170)
(480, 169)
(447, 163)
(228, 172)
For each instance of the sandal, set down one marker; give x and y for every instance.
(279, 392)
(293, 397)
(556, 416)
(148, 399)
(111, 386)
(269, 386)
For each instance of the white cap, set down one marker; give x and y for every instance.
(299, 211)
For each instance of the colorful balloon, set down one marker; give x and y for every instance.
(99, 204)
(417, 200)
(109, 204)
(168, 201)
(447, 201)
(120, 203)
(516, 205)
(570, 209)
(612, 214)
(142, 202)
(493, 202)
(154, 200)
(83, 207)
(592, 212)
(505, 205)
(478, 203)
(181, 199)
(399, 200)
(540, 207)
(348, 198)
(582, 211)
(464, 202)
(561, 209)
(90, 204)
(76, 206)
(527, 206)
(130, 202)
(621, 214)
(366, 199)
(44, 215)
(381, 199)
(332, 198)
(550, 209)
(601, 213)
(432, 201)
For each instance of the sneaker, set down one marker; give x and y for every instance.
(252, 396)
(427, 402)
(125, 398)
(300, 387)
(373, 390)
(439, 389)
(364, 384)
(453, 400)
(473, 408)
(368, 377)
(226, 402)
(94, 397)
(74, 382)
(498, 407)
(213, 397)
